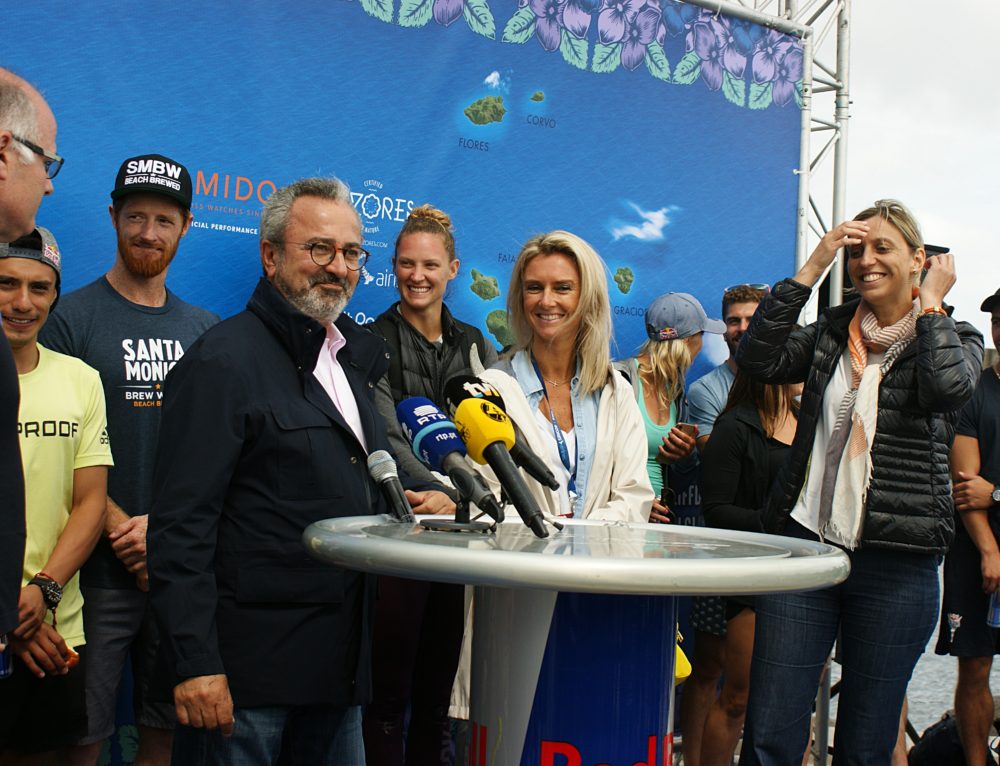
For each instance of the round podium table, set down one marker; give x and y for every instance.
(573, 646)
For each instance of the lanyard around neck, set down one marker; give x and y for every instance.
(558, 434)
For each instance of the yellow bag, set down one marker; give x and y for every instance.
(682, 665)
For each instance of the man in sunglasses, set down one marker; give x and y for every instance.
(26, 126)
(132, 329)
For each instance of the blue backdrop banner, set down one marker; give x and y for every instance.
(665, 135)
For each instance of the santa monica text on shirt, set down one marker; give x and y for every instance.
(150, 359)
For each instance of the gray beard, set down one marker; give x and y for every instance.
(312, 303)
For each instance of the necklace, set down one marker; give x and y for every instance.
(553, 383)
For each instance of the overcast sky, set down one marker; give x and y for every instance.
(925, 128)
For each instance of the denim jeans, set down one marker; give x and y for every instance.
(307, 735)
(885, 612)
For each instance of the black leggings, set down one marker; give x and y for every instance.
(415, 650)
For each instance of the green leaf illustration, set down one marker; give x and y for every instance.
(607, 58)
(735, 90)
(520, 27)
(688, 69)
(574, 50)
(798, 94)
(480, 18)
(656, 61)
(415, 13)
(380, 9)
(760, 95)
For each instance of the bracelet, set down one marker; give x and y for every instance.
(47, 576)
(934, 310)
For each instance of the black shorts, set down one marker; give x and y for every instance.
(963, 631)
(40, 714)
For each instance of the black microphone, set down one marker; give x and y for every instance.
(436, 442)
(488, 434)
(382, 468)
(462, 387)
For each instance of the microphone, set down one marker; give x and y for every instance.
(462, 387)
(436, 442)
(382, 468)
(488, 434)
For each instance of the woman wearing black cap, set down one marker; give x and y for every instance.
(885, 374)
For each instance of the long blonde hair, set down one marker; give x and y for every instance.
(593, 339)
(669, 361)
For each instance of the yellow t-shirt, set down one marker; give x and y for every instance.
(62, 426)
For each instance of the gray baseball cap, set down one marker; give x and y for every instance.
(39, 245)
(679, 315)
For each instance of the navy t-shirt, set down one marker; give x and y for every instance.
(980, 419)
(133, 347)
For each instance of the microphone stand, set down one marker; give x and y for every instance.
(462, 522)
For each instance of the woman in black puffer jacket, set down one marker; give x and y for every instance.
(885, 375)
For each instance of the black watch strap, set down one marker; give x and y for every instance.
(51, 590)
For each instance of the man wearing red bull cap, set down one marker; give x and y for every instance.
(65, 454)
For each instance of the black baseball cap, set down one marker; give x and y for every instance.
(154, 174)
(991, 303)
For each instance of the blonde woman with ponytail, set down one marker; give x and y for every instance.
(675, 323)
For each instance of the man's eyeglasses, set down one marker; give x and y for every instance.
(323, 253)
(53, 162)
(753, 286)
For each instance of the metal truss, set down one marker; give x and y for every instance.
(824, 28)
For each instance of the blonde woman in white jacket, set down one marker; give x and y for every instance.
(558, 384)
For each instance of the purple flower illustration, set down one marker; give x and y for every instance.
(789, 73)
(446, 11)
(639, 34)
(577, 15)
(733, 59)
(548, 28)
(711, 42)
(770, 51)
(615, 18)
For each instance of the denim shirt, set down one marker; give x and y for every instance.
(584, 416)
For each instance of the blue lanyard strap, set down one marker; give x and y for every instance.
(557, 432)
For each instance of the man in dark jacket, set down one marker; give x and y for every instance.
(268, 422)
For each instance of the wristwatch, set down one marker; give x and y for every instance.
(51, 590)
(996, 493)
